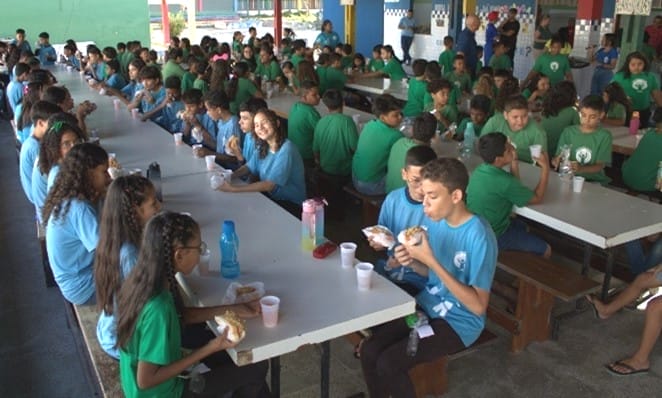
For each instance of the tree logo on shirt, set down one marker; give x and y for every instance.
(554, 66)
(639, 85)
(460, 260)
(583, 155)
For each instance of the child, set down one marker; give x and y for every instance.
(552, 64)
(509, 88)
(334, 78)
(376, 64)
(248, 56)
(500, 59)
(196, 117)
(418, 87)
(484, 85)
(590, 143)
(306, 71)
(129, 91)
(170, 108)
(252, 36)
(114, 78)
(617, 105)
(189, 76)
(303, 118)
(240, 87)
(247, 112)
(605, 62)
(479, 63)
(641, 168)
(392, 67)
(277, 165)
(335, 138)
(458, 256)
(479, 111)
(639, 85)
(237, 45)
(151, 316)
(95, 66)
(23, 113)
(402, 209)
(15, 86)
(70, 57)
(289, 73)
(347, 54)
(172, 66)
(460, 79)
(298, 47)
(444, 111)
(129, 204)
(536, 92)
(425, 126)
(201, 82)
(108, 53)
(559, 112)
(516, 125)
(46, 52)
(500, 76)
(227, 126)
(40, 113)
(267, 69)
(493, 191)
(358, 63)
(152, 94)
(72, 222)
(374, 146)
(447, 57)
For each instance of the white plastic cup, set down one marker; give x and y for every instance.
(356, 118)
(179, 138)
(112, 155)
(116, 102)
(203, 265)
(270, 306)
(211, 162)
(70, 68)
(216, 180)
(535, 151)
(195, 149)
(347, 254)
(270, 93)
(102, 91)
(134, 112)
(364, 276)
(577, 184)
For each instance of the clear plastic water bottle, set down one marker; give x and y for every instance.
(196, 383)
(229, 244)
(565, 168)
(469, 140)
(308, 236)
(412, 343)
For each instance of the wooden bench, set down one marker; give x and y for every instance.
(106, 369)
(539, 282)
(370, 205)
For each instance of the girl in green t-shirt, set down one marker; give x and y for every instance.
(639, 85)
(151, 313)
(558, 112)
(536, 92)
(617, 105)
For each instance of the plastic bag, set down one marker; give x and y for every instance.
(238, 293)
(381, 235)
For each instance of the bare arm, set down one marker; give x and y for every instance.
(259, 186)
(539, 191)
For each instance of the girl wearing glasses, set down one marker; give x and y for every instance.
(151, 314)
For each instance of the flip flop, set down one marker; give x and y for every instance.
(594, 308)
(630, 370)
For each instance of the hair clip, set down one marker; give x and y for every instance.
(26, 89)
(57, 126)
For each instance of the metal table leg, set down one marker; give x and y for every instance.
(325, 364)
(275, 377)
(608, 270)
(588, 251)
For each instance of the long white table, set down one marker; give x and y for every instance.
(379, 86)
(626, 144)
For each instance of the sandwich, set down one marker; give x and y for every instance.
(234, 325)
(411, 235)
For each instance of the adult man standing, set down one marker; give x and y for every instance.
(407, 26)
(654, 31)
(508, 31)
(466, 43)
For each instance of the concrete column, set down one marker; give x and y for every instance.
(587, 26)
(633, 34)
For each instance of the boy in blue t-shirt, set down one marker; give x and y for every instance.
(114, 78)
(152, 94)
(402, 209)
(46, 52)
(171, 108)
(198, 126)
(227, 126)
(15, 86)
(458, 254)
(244, 151)
(95, 67)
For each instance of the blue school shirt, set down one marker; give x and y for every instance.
(50, 181)
(71, 241)
(107, 324)
(169, 120)
(468, 252)
(285, 169)
(46, 52)
(116, 81)
(74, 61)
(158, 96)
(14, 93)
(399, 212)
(23, 135)
(248, 150)
(129, 91)
(27, 158)
(225, 130)
(208, 123)
(99, 71)
(39, 189)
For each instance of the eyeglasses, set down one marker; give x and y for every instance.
(414, 182)
(202, 248)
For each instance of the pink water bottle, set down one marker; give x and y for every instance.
(634, 123)
(308, 225)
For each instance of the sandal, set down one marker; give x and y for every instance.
(629, 370)
(357, 349)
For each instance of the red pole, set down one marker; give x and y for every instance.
(278, 21)
(165, 20)
(199, 5)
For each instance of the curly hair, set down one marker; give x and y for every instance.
(560, 96)
(119, 225)
(73, 180)
(272, 119)
(50, 146)
(154, 270)
(509, 88)
(219, 74)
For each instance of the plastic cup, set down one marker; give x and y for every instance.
(364, 276)
(179, 138)
(535, 151)
(203, 265)
(270, 93)
(70, 68)
(195, 149)
(270, 306)
(134, 112)
(116, 102)
(102, 91)
(577, 184)
(211, 162)
(216, 181)
(112, 155)
(347, 253)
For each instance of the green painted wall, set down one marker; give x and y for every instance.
(103, 21)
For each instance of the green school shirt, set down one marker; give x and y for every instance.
(461, 84)
(372, 151)
(296, 58)
(187, 81)
(335, 140)
(449, 112)
(616, 110)
(335, 78)
(415, 97)
(156, 339)
(531, 134)
(640, 169)
(394, 70)
(446, 59)
(301, 124)
(246, 89)
(501, 62)
(491, 194)
(396, 162)
(347, 61)
(375, 65)
(201, 85)
(171, 68)
(237, 47)
(554, 126)
(322, 74)
(638, 87)
(268, 72)
(588, 149)
(553, 66)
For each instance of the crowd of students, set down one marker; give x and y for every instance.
(123, 255)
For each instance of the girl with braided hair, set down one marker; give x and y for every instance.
(151, 315)
(130, 202)
(70, 214)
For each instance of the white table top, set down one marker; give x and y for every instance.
(617, 131)
(378, 85)
(625, 144)
(282, 103)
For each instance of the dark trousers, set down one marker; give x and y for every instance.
(405, 42)
(385, 361)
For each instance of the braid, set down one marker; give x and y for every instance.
(169, 238)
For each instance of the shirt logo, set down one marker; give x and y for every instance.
(460, 260)
(583, 155)
(605, 60)
(639, 85)
(554, 66)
